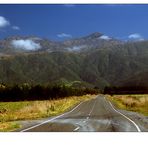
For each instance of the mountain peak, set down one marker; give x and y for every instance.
(94, 35)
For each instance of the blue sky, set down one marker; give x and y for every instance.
(58, 22)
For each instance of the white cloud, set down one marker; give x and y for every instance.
(105, 37)
(76, 48)
(64, 35)
(3, 22)
(135, 36)
(25, 44)
(15, 28)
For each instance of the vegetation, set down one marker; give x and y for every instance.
(25, 110)
(40, 92)
(25, 101)
(136, 103)
(40, 68)
(100, 63)
(8, 126)
(126, 90)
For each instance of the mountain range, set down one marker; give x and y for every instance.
(95, 60)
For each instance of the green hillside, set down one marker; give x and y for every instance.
(116, 64)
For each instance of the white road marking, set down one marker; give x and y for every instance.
(137, 127)
(78, 123)
(76, 129)
(88, 114)
(92, 108)
(50, 119)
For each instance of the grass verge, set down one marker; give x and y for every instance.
(136, 103)
(29, 110)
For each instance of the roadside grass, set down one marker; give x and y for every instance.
(29, 110)
(136, 103)
(8, 126)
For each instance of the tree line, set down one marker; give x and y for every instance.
(126, 90)
(27, 92)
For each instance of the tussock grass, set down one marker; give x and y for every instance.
(27, 110)
(137, 103)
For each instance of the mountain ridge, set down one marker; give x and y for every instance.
(101, 63)
(89, 42)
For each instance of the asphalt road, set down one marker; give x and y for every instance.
(96, 115)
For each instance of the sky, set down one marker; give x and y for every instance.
(66, 21)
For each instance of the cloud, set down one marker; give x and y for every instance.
(25, 44)
(136, 36)
(105, 37)
(69, 5)
(3, 22)
(64, 35)
(15, 28)
(76, 48)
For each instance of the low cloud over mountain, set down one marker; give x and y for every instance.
(25, 44)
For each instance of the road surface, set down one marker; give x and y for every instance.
(96, 115)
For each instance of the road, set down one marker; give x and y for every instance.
(96, 115)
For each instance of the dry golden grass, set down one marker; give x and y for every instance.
(137, 103)
(14, 111)
(8, 126)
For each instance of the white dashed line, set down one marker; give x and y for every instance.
(92, 108)
(78, 123)
(76, 129)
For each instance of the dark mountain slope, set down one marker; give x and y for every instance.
(101, 63)
(118, 63)
(40, 68)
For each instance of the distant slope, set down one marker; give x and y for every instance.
(118, 63)
(40, 68)
(83, 44)
(99, 63)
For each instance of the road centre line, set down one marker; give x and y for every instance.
(76, 128)
(92, 108)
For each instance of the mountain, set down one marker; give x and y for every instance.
(91, 42)
(94, 60)
(119, 62)
(20, 44)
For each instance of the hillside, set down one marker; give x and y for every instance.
(99, 63)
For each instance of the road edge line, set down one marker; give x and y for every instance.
(51, 119)
(137, 127)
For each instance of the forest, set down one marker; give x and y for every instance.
(27, 92)
(126, 90)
